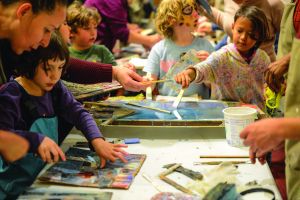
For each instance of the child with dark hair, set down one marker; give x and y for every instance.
(32, 106)
(236, 72)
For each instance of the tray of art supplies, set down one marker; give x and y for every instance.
(82, 168)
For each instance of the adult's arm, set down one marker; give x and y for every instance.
(268, 134)
(12, 146)
(85, 72)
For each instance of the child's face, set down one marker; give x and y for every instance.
(30, 31)
(189, 15)
(85, 37)
(243, 37)
(46, 78)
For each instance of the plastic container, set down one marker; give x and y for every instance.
(236, 119)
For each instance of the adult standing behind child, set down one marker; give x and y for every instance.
(236, 72)
(114, 25)
(176, 20)
(83, 22)
(32, 104)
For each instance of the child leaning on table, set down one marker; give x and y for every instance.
(176, 20)
(32, 105)
(236, 72)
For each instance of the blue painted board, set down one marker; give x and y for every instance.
(191, 111)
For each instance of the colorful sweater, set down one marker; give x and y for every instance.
(232, 78)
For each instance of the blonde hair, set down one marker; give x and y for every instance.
(168, 11)
(79, 16)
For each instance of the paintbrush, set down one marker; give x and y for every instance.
(156, 81)
(148, 107)
(178, 99)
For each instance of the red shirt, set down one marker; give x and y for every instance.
(297, 19)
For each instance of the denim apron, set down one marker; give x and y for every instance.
(16, 177)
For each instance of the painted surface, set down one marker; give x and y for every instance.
(192, 111)
(80, 169)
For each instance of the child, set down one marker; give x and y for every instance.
(176, 20)
(32, 106)
(236, 72)
(83, 22)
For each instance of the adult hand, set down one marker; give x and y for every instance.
(128, 79)
(262, 136)
(108, 151)
(275, 72)
(152, 40)
(12, 146)
(50, 152)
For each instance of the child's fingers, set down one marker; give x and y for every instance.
(54, 154)
(121, 145)
(103, 162)
(61, 154)
(48, 156)
(43, 156)
(120, 156)
(121, 151)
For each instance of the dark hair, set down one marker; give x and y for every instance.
(57, 49)
(38, 5)
(258, 20)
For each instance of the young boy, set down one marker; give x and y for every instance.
(83, 22)
(33, 104)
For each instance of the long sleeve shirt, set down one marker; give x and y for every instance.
(232, 78)
(114, 21)
(67, 107)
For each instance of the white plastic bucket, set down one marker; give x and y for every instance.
(236, 119)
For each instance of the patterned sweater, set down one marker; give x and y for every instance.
(232, 78)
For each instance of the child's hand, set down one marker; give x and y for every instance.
(50, 151)
(108, 151)
(185, 77)
(202, 55)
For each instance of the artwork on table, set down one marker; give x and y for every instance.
(81, 91)
(82, 169)
(189, 111)
(32, 194)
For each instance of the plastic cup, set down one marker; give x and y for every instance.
(236, 119)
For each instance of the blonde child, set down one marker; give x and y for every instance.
(176, 20)
(33, 106)
(83, 22)
(236, 72)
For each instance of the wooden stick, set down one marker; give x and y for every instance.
(155, 185)
(156, 81)
(148, 107)
(225, 156)
(219, 162)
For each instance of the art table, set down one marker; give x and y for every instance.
(164, 151)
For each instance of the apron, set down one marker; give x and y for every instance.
(17, 176)
(292, 107)
(287, 43)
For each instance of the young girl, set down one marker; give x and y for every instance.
(176, 20)
(33, 104)
(236, 72)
